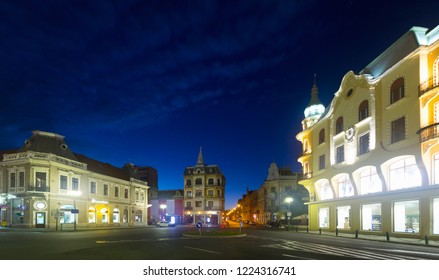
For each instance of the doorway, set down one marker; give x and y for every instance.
(40, 221)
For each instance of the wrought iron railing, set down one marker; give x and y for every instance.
(428, 85)
(429, 132)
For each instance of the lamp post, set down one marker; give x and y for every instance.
(163, 207)
(289, 200)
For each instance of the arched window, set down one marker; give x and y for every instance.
(339, 125)
(344, 185)
(322, 136)
(369, 181)
(91, 215)
(324, 190)
(397, 90)
(188, 182)
(218, 182)
(138, 216)
(116, 216)
(104, 213)
(210, 181)
(198, 181)
(363, 110)
(404, 173)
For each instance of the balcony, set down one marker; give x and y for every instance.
(305, 176)
(40, 189)
(427, 85)
(188, 208)
(429, 132)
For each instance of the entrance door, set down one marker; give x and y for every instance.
(40, 219)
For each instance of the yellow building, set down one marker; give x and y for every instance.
(204, 190)
(371, 158)
(45, 184)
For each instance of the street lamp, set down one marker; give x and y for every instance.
(163, 207)
(289, 200)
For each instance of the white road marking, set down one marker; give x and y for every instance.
(202, 250)
(296, 257)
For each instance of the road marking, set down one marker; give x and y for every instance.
(296, 257)
(137, 240)
(408, 252)
(202, 250)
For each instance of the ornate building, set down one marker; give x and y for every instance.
(45, 184)
(371, 158)
(204, 190)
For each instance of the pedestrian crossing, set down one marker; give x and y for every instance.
(337, 251)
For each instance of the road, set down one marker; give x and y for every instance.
(169, 244)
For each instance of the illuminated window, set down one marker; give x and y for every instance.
(436, 72)
(104, 215)
(339, 127)
(371, 217)
(91, 215)
(322, 136)
(40, 181)
(116, 215)
(66, 215)
(324, 190)
(398, 130)
(363, 110)
(404, 173)
(339, 156)
(397, 90)
(363, 144)
(369, 181)
(344, 185)
(343, 217)
(138, 216)
(324, 217)
(436, 216)
(406, 216)
(125, 216)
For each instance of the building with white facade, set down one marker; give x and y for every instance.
(371, 158)
(45, 184)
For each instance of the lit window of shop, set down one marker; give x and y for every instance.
(104, 215)
(138, 216)
(67, 217)
(369, 181)
(91, 215)
(406, 216)
(344, 185)
(371, 217)
(404, 173)
(324, 217)
(125, 216)
(343, 217)
(436, 216)
(324, 190)
(116, 215)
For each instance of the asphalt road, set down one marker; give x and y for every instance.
(169, 244)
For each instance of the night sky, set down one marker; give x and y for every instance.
(149, 82)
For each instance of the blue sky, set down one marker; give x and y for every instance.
(149, 82)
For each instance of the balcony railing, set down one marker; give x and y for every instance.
(429, 132)
(42, 189)
(428, 85)
(305, 176)
(188, 208)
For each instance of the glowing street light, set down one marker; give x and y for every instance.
(289, 200)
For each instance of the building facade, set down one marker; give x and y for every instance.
(167, 206)
(204, 192)
(45, 184)
(371, 159)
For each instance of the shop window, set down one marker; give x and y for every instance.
(138, 216)
(406, 216)
(397, 91)
(436, 168)
(116, 215)
(125, 216)
(324, 217)
(91, 215)
(371, 217)
(398, 130)
(363, 110)
(404, 173)
(66, 215)
(343, 217)
(436, 216)
(104, 215)
(369, 181)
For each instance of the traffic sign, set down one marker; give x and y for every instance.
(75, 211)
(199, 225)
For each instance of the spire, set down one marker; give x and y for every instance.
(200, 161)
(314, 93)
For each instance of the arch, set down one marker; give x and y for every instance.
(138, 216)
(403, 173)
(92, 215)
(343, 185)
(125, 215)
(339, 126)
(368, 180)
(324, 189)
(104, 215)
(116, 215)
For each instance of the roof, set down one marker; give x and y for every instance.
(103, 168)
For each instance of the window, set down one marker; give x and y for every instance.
(345, 187)
(93, 187)
(75, 184)
(324, 217)
(189, 194)
(104, 215)
(339, 154)
(321, 162)
(324, 190)
(218, 192)
(136, 194)
(397, 90)
(105, 189)
(398, 130)
(142, 197)
(404, 173)
(126, 194)
(436, 216)
(188, 182)
(436, 168)
(40, 181)
(363, 144)
(12, 181)
(273, 189)
(343, 217)
(371, 217)
(218, 182)
(91, 215)
(198, 193)
(339, 125)
(322, 136)
(198, 181)
(363, 110)
(21, 179)
(406, 216)
(198, 204)
(116, 191)
(188, 204)
(369, 181)
(210, 182)
(210, 204)
(210, 193)
(63, 182)
(116, 215)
